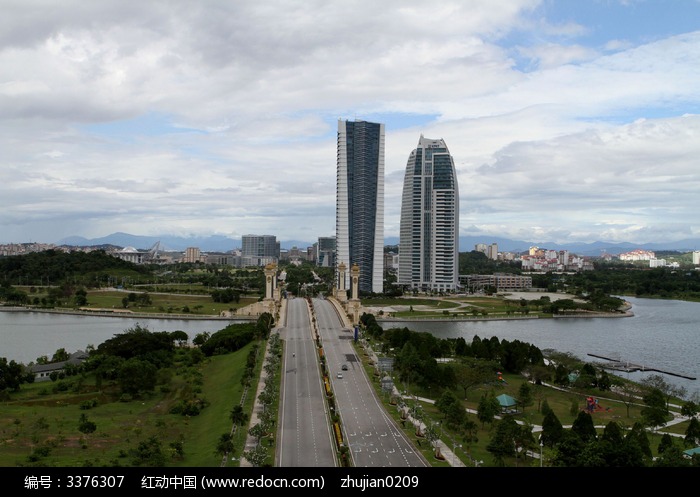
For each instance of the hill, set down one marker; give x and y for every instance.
(220, 243)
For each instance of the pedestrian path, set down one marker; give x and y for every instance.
(251, 441)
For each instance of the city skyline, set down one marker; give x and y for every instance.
(570, 121)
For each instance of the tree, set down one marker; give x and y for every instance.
(238, 415)
(148, 453)
(502, 444)
(525, 395)
(201, 338)
(568, 450)
(671, 457)
(640, 435)
(689, 409)
(629, 394)
(11, 375)
(472, 375)
(179, 337)
(692, 433)
(137, 376)
(225, 444)
(86, 426)
(487, 409)
(583, 427)
(655, 412)
(552, 429)
(657, 382)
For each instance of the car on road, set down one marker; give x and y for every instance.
(345, 367)
(340, 375)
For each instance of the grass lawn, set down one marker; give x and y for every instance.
(161, 303)
(39, 425)
(566, 404)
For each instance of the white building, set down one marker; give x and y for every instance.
(429, 231)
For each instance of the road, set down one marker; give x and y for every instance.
(371, 434)
(306, 439)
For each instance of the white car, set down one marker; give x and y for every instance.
(339, 375)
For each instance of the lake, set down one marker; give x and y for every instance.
(662, 334)
(24, 336)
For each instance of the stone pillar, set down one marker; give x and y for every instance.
(270, 289)
(355, 278)
(354, 304)
(342, 292)
(270, 272)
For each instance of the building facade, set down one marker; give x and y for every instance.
(259, 250)
(359, 214)
(325, 251)
(429, 230)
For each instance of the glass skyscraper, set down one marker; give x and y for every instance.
(359, 213)
(429, 230)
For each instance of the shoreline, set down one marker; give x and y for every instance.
(111, 314)
(625, 312)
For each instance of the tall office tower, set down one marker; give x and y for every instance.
(429, 230)
(359, 211)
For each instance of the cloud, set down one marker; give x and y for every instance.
(220, 117)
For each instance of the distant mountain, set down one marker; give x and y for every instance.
(169, 243)
(218, 243)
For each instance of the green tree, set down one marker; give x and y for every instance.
(487, 409)
(692, 433)
(137, 376)
(11, 375)
(583, 426)
(502, 444)
(224, 445)
(552, 429)
(525, 395)
(655, 411)
(149, 453)
(85, 425)
(474, 374)
(689, 409)
(238, 416)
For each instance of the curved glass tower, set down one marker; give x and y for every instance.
(429, 231)
(359, 214)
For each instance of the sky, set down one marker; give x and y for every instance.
(568, 121)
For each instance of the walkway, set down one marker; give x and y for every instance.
(251, 441)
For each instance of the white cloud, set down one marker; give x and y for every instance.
(216, 117)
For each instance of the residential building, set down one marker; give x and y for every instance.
(492, 252)
(192, 254)
(429, 230)
(359, 210)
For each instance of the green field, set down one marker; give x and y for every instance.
(40, 424)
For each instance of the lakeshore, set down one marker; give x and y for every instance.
(458, 314)
(119, 313)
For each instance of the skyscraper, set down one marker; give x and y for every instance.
(359, 213)
(429, 230)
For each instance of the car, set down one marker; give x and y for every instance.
(345, 367)
(340, 375)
